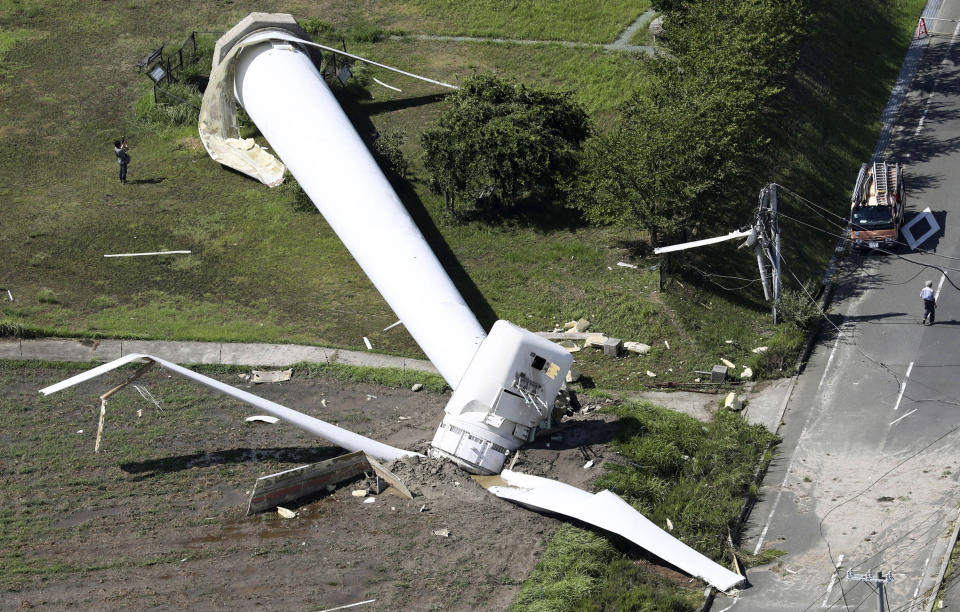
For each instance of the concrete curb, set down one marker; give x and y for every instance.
(946, 561)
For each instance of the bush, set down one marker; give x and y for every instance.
(11, 329)
(46, 296)
(387, 149)
(316, 27)
(175, 105)
(799, 307)
(781, 355)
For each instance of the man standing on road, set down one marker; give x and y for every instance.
(929, 302)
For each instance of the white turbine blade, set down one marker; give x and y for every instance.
(607, 511)
(337, 435)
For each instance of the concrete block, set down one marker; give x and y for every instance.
(612, 347)
(718, 374)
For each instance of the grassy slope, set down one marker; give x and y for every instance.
(262, 271)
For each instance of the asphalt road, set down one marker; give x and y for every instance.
(867, 476)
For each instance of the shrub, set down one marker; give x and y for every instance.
(46, 296)
(387, 148)
(316, 27)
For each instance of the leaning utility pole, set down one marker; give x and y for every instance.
(880, 580)
(764, 236)
(768, 243)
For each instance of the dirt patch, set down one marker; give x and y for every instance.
(156, 520)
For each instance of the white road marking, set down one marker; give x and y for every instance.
(903, 385)
(923, 575)
(904, 416)
(926, 104)
(776, 500)
(833, 581)
(940, 286)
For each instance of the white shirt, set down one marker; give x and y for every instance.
(927, 294)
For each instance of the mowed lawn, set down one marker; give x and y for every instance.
(261, 269)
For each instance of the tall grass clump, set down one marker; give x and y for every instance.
(177, 104)
(671, 467)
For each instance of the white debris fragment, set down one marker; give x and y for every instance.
(588, 465)
(624, 264)
(262, 418)
(287, 514)
(79, 431)
(760, 349)
(366, 341)
(609, 268)
(669, 525)
(696, 379)
(637, 347)
(359, 492)
(747, 373)
(370, 500)
(581, 325)
(422, 508)
(570, 345)
(667, 344)
(269, 376)
(573, 375)
(595, 340)
(140, 413)
(404, 418)
(729, 341)
(443, 533)
(379, 82)
(728, 401)
(727, 363)
(323, 403)
(651, 374)
(569, 325)
(417, 387)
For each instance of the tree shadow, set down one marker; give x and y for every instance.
(292, 454)
(574, 434)
(149, 181)
(376, 108)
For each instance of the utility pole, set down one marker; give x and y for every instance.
(767, 244)
(880, 580)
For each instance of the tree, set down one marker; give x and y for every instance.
(684, 144)
(504, 141)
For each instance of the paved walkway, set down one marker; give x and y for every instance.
(189, 353)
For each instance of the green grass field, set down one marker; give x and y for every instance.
(262, 269)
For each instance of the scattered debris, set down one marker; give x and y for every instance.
(729, 341)
(728, 401)
(760, 349)
(422, 508)
(443, 533)
(569, 325)
(570, 345)
(581, 325)
(270, 376)
(79, 431)
(370, 397)
(287, 514)
(588, 465)
(730, 365)
(153, 253)
(637, 347)
(379, 82)
(262, 418)
(747, 373)
(595, 340)
(573, 375)
(243, 377)
(367, 342)
(417, 387)
(359, 492)
(370, 500)
(323, 402)
(392, 325)
(669, 525)
(403, 418)
(666, 344)
(651, 374)
(359, 603)
(139, 413)
(612, 347)
(624, 264)
(10, 295)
